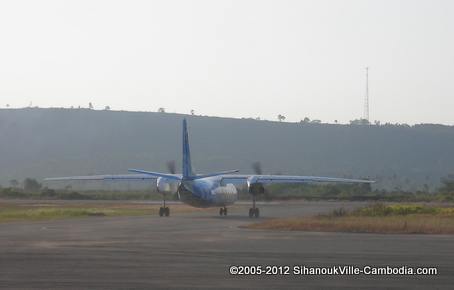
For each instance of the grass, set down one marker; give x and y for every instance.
(377, 218)
(51, 194)
(51, 211)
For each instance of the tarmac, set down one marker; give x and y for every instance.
(195, 250)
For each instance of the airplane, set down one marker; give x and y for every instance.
(215, 189)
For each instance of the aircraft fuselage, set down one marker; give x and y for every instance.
(207, 192)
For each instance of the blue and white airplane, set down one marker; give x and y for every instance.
(208, 190)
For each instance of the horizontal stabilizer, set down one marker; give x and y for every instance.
(198, 176)
(157, 174)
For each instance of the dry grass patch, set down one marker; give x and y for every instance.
(379, 218)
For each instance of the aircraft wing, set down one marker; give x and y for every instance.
(268, 179)
(104, 177)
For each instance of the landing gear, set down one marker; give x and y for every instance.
(223, 211)
(254, 211)
(164, 210)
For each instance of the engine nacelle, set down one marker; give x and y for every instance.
(256, 188)
(166, 185)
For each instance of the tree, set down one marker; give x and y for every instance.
(192, 112)
(107, 108)
(90, 106)
(161, 110)
(426, 187)
(32, 185)
(14, 183)
(7, 105)
(280, 117)
(305, 120)
(448, 184)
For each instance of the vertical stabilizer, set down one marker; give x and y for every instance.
(187, 168)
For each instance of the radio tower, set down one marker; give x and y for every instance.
(366, 98)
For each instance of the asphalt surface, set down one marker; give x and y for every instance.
(195, 250)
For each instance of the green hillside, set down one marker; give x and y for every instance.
(59, 142)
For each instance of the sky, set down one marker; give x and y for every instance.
(233, 58)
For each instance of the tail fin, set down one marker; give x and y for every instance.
(187, 168)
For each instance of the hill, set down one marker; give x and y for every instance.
(59, 142)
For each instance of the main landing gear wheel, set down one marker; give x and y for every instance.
(254, 212)
(164, 211)
(223, 211)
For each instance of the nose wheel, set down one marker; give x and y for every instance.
(223, 211)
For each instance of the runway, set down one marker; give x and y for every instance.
(195, 250)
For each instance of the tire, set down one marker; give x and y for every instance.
(225, 211)
(257, 213)
(221, 211)
(167, 211)
(161, 211)
(251, 212)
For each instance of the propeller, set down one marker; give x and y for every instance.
(171, 166)
(257, 166)
(257, 188)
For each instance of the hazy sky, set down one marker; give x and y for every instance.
(233, 58)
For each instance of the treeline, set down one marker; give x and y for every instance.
(358, 192)
(32, 189)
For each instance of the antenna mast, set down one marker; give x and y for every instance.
(366, 97)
